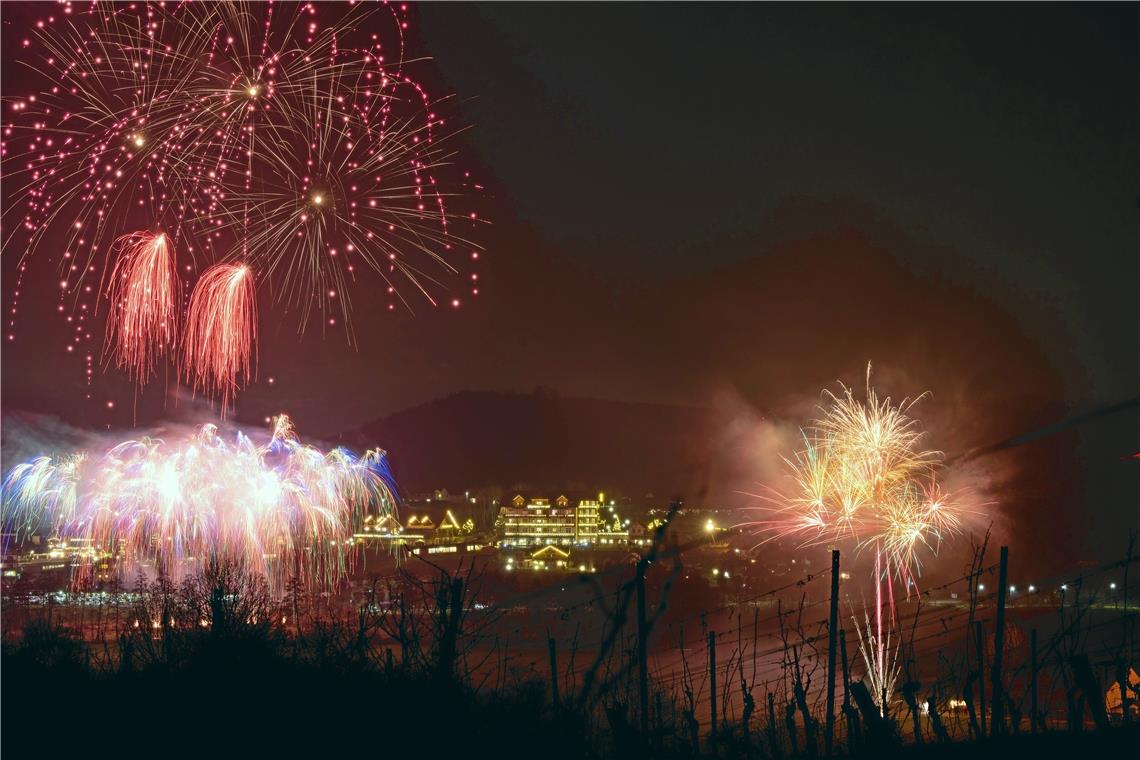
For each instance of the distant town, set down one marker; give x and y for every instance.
(529, 533)
(524, 533)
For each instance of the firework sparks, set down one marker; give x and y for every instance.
(288, 136)
(279, 509)
(862, 474)
(880, 658)
(144, 301)
(221, 332)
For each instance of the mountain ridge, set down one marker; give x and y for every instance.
(504, 439)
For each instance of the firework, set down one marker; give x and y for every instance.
(880, 658)
(281, 509)
(144, 298)
(221, 332)
(260, 133)
(862, 474)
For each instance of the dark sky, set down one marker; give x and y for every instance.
(717, 204)
(651, 140)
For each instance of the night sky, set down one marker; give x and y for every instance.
(738, 205)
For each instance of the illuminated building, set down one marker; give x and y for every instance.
(422, 523)
(587, 520)
(548, 557)
(385, 528)
(449, 528)
(421, 529)
(55, 554)
(537, 523)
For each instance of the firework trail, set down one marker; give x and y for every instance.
(252, 132)
(281, 509)
(863, 475)
(221, 332)
(143, 291)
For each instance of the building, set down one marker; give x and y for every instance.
(449, 529)
(387, 528)
(537, 523)
(548, 557)
(586, 520)
(418, 529)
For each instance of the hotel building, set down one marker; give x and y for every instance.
(540, 523)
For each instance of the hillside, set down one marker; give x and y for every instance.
(485, 439)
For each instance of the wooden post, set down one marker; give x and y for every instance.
(712, 683)
(997, 718)
(642, 653)
(833, 624)
(846, 672)
(1122, 684)
(553, 671)
(980, 647)
(1033, 681)
(971, 710)
(848, 711)
(1122, 667)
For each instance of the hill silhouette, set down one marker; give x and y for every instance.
(478, 439)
